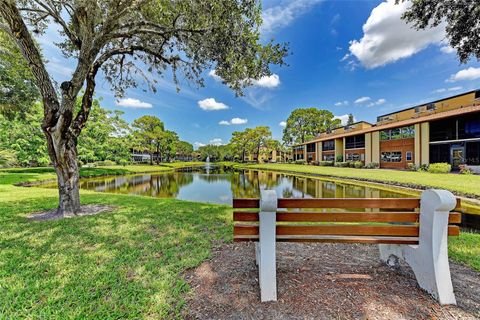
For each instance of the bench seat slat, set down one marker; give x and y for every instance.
(342, 230)
(454, 217)
(386, 203)
(337, 239)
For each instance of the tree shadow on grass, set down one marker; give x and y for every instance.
(125, 264)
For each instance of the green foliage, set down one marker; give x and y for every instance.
(300, 161)
(326, 163)
(339, 158)
(439, 168)
(215, 152)
(307, 123)
(358, 164)
(106, 136)
(372, 165)
(22, 134)
(7, 158)
(412, 167)
(17, 89)
(342, 164)
(351, 119)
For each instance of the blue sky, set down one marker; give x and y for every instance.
(346, 56)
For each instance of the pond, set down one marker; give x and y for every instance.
(217, 184)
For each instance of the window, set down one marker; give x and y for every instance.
(394, 156)
(328, 145)
(473, 153)
(311, 147)
(398, 133)
(353, 157)
(355, 142)
(408, 156)
(329, 157)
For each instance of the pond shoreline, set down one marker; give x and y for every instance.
(415, 187)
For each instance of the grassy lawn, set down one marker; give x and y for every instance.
(125, 264)
(48, 173)
(467, 185)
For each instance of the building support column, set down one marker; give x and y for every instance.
(318, 151)
(425, 142)
(417, 157)
(368, 148)
(376, 147)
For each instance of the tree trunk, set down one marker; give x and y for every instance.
(63, 153)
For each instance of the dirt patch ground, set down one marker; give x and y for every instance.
(321, 281)
(86, 210)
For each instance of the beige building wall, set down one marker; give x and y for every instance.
(418, 145)
(339, 150)
(318, 151)
(376, 146)
(425, 142)
(368, 148)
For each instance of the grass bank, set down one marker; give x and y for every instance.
(464, 185)
(126, 264)
(27, 175)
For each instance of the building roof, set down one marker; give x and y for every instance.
(423, 104)
(402, 123)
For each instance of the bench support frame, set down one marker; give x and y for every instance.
(429, 259)
(266, 247)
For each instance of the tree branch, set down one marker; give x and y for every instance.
(27, 46)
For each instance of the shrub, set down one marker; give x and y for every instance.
(326, 163)
(439, 168)
(372, 165)
(339, 158)
(342, 164)
(423, 168)
(464, 169)
(123, 162)
(105, 163)
(358, 164)
(8, 158)
(412, 167)
(300, 161)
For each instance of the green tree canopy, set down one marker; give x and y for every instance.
(17, 88)
(147, 131)
(304, 124)
(462, 22)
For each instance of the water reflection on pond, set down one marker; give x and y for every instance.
(220, 185)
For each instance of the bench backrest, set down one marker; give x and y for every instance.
(353, 220)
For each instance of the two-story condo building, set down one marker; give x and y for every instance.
(446, 130)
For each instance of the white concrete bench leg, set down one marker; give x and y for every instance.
(429, 259)
(265, 249)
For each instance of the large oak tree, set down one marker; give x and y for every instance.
(128, 40)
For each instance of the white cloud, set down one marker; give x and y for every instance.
(379, 102)
(216, 142)
(271, 81)
(133, 103)
(465, 74)
(283, 124)
(447, 49)
(387, 38)
(214, 75)
(210, 104)
(284, 14)
(344, 119)
(198, 144)
(341, 103)
(448, 89)
(234, 121)
(362, 100)
(238, 121)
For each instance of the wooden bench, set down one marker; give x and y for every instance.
(412, 229)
